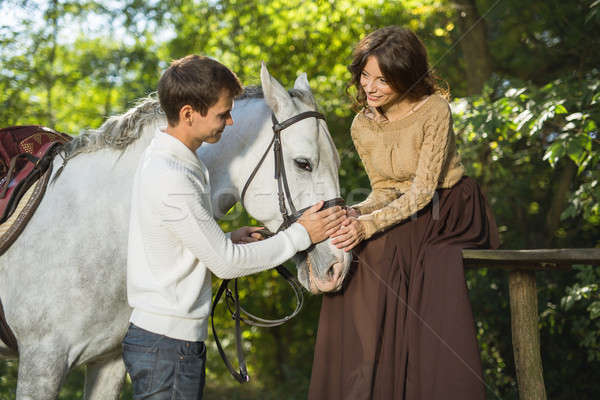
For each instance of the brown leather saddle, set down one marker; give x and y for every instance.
(26, 154)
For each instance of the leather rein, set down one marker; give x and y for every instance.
(283, 194)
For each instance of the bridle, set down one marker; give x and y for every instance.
(283, 195)
(283, 189)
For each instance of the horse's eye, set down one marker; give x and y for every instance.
(303, 164)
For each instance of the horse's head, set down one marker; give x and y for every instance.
(311, 165)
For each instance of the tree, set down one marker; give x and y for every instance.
(474, 45)
(529, 135)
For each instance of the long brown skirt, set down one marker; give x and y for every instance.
(402, 326)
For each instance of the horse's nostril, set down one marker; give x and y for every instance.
(331, 272)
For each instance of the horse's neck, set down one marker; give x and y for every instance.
(231, 160)
(102, 170)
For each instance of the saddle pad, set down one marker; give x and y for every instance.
(14, 225)
(9, 232)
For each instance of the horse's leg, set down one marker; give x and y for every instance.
(42, 371)
(104, 379)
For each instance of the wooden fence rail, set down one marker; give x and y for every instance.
(521, 266)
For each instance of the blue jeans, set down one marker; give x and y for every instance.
(164, 368)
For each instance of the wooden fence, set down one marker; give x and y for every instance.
(521, 266)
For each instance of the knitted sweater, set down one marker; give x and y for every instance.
(175, 243)
(406, 161)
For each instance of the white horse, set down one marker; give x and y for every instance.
(62, 283)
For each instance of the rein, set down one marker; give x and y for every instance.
(283, 194)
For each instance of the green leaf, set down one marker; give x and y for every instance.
(594, 310)
(554, 153)
(560, 109)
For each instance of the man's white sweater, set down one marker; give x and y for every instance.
(175, 243)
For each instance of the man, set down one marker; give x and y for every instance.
(175, 243)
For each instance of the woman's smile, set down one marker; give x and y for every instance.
(377, 89)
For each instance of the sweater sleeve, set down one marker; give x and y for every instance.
(380, 194)
(433, 154)
(183, 213)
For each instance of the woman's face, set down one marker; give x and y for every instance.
(379, 92)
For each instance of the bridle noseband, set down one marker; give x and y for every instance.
(283, 195)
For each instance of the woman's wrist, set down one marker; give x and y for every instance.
(353, 212)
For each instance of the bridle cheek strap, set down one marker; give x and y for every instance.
(283, 194)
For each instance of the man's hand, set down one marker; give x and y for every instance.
(349, 235)
(321, 224)
(247, 234)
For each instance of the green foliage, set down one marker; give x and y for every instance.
(585, 296)
(8, 379)
(530, 136)
(535, 152)
(71, 78)
(542, 40)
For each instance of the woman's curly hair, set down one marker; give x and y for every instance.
(402, 59)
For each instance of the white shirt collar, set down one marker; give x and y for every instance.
(164, 142)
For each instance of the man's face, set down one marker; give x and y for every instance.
(208, 128)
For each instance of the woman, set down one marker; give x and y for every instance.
(402, 327)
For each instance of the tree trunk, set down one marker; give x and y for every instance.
(108, 100)
(280, 353)
(51, 77)
(474, 45)
(559, 198)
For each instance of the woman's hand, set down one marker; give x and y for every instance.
(322, 224)
(350, 233)
(352, 212)
(247, 234)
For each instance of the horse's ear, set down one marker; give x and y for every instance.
(302, 83)
(275, 94)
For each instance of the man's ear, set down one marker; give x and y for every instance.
(185, 114)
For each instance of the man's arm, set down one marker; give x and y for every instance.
(183, 213)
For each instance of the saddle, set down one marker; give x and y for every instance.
(26, 154)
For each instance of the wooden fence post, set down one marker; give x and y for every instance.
(526, 334)
(522, 265)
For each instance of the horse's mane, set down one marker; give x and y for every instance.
(120, 131)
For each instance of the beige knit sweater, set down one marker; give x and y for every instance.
(406, 161)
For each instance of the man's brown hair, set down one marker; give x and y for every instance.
(197, 81)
